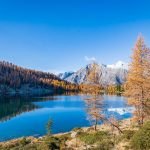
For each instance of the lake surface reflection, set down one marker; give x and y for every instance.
(28, 116)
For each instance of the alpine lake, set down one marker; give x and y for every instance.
(20, 116)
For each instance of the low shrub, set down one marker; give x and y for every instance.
(51, 142)
(24, 141)
(141, 139)
(128, 134)
(92, 138)
(65, 137)
(105, 144)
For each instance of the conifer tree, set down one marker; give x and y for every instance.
(94, 102)
(138, 81)
(49, 127)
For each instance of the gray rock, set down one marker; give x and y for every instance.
(108, 75)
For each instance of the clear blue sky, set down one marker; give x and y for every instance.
(58, 34)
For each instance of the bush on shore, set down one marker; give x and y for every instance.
(46, 143)
(102, 139)
(141, 139)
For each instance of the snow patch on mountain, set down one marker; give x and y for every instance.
(119, 64)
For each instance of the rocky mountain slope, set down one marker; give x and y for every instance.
(109, 74)
(65, 75)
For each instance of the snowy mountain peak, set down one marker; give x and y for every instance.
(119, 64)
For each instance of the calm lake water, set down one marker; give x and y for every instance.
(28, 116)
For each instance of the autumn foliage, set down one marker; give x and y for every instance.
(94, 100)
(138, 81)
(15, 77)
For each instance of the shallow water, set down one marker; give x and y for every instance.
(28, 116)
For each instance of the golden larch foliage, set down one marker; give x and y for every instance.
(94, 100)
(138, 81)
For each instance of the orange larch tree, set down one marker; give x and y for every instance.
(138, 81)
(94, 100)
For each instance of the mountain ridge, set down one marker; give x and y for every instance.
(109, 74)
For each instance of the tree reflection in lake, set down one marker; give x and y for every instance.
(11, 107)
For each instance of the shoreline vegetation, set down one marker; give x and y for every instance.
(104, 138)
(35, 92)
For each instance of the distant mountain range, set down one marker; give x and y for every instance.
(114, 74)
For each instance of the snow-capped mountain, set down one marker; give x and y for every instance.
(109, 74)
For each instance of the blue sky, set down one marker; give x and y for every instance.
(57, 35)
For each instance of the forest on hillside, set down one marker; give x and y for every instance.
(15, 79)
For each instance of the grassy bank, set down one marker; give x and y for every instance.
(105, 138)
